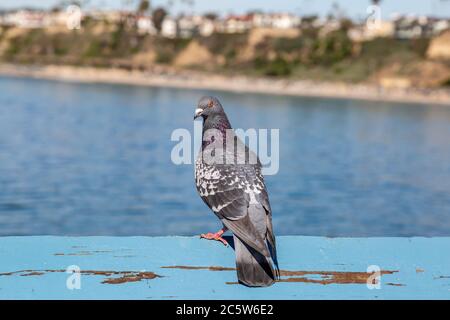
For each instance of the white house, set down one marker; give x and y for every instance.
(237, 23)
(187, 26)
(112, 16)
(26, 19)
(169, 28)
(285, 21)
(275, 20)
(145, 25)
(364, 32)
(207, 27)
(440, 26)
(408, 27)
(262, 20)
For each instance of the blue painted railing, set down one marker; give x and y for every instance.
(45, 267)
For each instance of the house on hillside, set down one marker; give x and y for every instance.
(111, 16)
(363, 32)
(169, 28)
(26, 19)
(237, 23)
(207, 27)
(441, 25)
(275, 20)
(285, 21)
(411, 27)
(188, 26)
(145, 25)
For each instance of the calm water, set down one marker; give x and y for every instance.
(78, 159)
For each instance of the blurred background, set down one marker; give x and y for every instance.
(94, 159)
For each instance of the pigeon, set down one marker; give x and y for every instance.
(233, 187)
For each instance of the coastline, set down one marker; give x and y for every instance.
(241, 84)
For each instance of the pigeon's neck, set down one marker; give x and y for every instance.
(220, 123)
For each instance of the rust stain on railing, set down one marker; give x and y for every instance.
(326, 277)
(211, 268)
(112, 277)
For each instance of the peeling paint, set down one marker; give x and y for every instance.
(329, 277)
(206, 267)
(112, 277)
(81, 253)
(442, 277)
(34, 273)
(211, 268)
(318, 277)
(324, 277)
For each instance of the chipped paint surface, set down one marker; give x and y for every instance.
(112, 277)
(189, 268)
(325, 277)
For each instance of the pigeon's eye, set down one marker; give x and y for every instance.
(210, 104)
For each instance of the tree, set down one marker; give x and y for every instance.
(158, 17)
(144, 6)
(210, 16)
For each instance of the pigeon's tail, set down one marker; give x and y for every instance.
(253, 268)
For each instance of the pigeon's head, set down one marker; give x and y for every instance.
(208, 106)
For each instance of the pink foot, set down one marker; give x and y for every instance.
(215, 236)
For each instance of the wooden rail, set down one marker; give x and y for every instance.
(45, 267)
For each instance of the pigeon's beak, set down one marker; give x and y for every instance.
(198, 113)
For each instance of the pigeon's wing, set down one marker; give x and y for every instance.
(230, 189)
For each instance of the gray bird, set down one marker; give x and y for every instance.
(232, 186)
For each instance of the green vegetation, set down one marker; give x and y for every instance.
(311, 55)
(167, 49)
(274, 68)
(225, 45)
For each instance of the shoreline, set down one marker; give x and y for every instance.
(188, 79)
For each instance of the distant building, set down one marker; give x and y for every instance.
(411, 27)
(262, 20)
(285, 21)
(237, 23)
(207, 27)
(26, 19)
(112, 16)
(440, 26)
(363, 32)
(187, 26)
(29, 19)
(169, 28)
(145, 25)
(275, 20)
(71, 17)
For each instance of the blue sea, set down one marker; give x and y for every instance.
(95, 159)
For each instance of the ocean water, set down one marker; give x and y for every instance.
(94, 159)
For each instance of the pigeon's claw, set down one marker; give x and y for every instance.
(214, 236)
